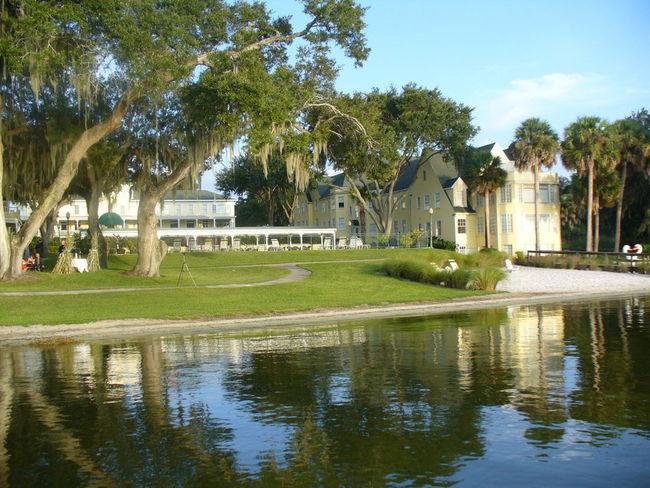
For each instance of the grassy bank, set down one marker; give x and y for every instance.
(341, 284)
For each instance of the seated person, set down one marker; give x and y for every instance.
(38, 263)
(30, 263)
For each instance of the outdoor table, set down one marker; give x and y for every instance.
(80, 264)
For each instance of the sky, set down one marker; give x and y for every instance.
(508, 59)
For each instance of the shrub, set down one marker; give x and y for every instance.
(440, 243)
(485, 257)
(520, 257)
(458, 278)
(487, 278)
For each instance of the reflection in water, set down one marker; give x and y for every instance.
(530, 394)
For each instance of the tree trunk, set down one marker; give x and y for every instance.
(52, 196)
(151, 250)
(47, 230)
(590, 206)
(596, 223)
(487, 219)
(619, 210)
(95, 233)
(5, 247)
(536, 183)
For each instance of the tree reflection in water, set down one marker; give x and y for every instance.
(418, 402)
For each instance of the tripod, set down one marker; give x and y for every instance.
(184, 269)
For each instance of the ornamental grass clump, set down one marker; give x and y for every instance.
(458, 278)
(487, 278)
(414, 271)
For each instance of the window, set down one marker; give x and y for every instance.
(403, 203)
(460, 198)
(76, 210)
(506, 194)
(204, 208)
(173, 224)
(316, 222)
(529, 193)
(178, 208)
(480, 200)
(438, 227)
(372, 228)
(419, 202)
(190, 208)
(190, 224)
(332, 204)
(493, 198)
(506, 223)
(341, 223)
(508, 249)
(493, 224)
(427, 202)
(544, 194)
(341, 201)
(206, 223)
(219, 208)
(429, 227)
(436, 200)
(403, 226)
(420, 226)
(462, 226)
(395, 225)
(480, 225)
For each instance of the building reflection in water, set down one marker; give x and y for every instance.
(414, 401)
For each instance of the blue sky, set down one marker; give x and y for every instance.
(554, 59)
(510, 60)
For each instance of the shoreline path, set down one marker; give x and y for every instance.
(527, 285)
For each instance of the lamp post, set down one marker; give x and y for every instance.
(430, 226)
(67, 225)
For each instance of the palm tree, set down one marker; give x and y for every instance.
(585, 145)
(633, 150)
(483, 174)
(535, 147)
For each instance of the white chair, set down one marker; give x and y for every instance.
(343, 243)
(511, 267)
(452, 265)
(223, 245)
(327, 243)
(236, 244)
(275, 245)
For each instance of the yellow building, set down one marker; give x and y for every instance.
(435, 199)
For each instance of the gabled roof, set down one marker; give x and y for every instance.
(487, 147)
(449, 183)
(408, 175)
(325, 190)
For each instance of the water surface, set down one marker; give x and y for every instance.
(547, 395)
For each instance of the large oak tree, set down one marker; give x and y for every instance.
(140, 48)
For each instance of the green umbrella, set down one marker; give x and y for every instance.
(110, 219)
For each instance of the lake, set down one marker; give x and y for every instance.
(543, 395)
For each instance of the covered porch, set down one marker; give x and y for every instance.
(240, 238)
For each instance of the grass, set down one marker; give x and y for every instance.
(341, 284)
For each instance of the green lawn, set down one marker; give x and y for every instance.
(342, 284)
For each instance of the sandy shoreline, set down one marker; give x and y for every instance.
(525, 286)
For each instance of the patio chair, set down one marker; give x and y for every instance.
(223, 245)
(343, 243)
(207, 245)
(275, 245)
(327, 243)
(236, 244)
(511, 267)
(452, 265)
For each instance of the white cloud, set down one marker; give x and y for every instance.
(546, 97)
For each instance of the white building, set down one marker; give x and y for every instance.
(180, 209)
